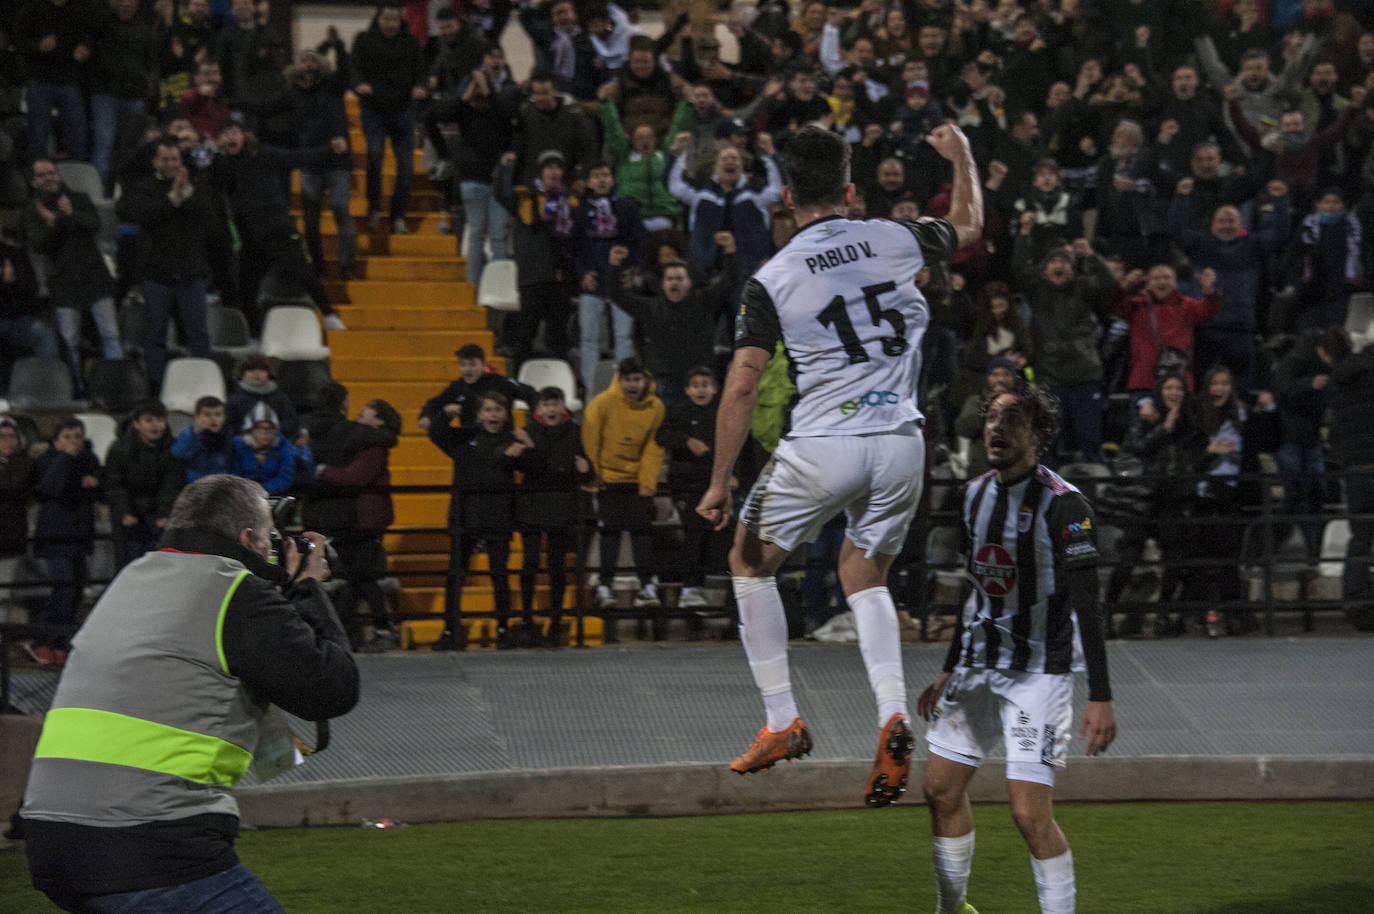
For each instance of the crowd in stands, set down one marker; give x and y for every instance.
(1176, 191)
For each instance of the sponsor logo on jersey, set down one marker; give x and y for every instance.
(994, 571)
(1080, 549)
(872, 398)
(1082, 526)
(839, 256)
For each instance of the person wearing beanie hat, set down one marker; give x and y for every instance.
(262, 452)
(255, 386)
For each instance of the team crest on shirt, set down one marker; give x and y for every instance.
(994, 571)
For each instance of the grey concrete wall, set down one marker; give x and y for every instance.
(706, 789)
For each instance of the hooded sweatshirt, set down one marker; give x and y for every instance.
(618, 435)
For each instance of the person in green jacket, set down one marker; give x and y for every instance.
(640, 167)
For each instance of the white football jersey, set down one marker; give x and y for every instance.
(842, 297)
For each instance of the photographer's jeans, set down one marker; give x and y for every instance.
(234, 891)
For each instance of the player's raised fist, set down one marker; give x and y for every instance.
(949, 141)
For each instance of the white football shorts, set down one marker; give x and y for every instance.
(875, 479)
(1031, 713)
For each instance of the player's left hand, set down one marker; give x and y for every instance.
(715, 507)
(1099, 726)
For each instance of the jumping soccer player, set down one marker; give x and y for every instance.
(842, 298)
(1031, 621)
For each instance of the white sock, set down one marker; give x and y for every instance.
(763, 632)
(880, 643)
(1054, 883)
(953, 860)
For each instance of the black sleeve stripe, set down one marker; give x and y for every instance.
(756, 321)
(937, 237)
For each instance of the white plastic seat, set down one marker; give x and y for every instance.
(500, 288)
(1360, 316)
(541, 373)
(187, 380)
(42, 386)
(293, 333)
(1335, 540)
(101, 432)
(83, 178)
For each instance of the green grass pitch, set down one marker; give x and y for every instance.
(1201, 858)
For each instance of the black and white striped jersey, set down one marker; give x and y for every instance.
(842, 297)
(1032, 557)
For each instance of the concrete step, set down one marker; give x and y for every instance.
(358, 368)
(377, 317)
(392, 344)
(417, 269)
(402, 293)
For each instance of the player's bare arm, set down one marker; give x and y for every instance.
(733, 417)
(966, 194)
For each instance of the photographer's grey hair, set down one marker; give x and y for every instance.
(220, 504)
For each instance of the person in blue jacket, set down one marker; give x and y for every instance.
(263, 454)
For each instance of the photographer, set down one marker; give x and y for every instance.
(159, 709)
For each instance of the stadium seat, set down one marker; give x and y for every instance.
(293, 333)
(500, 289)
(43, 386)
(302, 381)
(187, 380)
(115, 385)
(1360, 317)
(229, 332)
(1335, 539)
(539, 373)
(82, 178)
(602, 376)
(101, 432)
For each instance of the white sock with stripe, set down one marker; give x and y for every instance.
(1054, 883)
(953, 861)
(880, 642)
(763, 632)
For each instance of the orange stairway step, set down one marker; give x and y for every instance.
(424, 245)
(374, 317)
(416, 269)
(390, 344)
(353, 369)
(412, 294)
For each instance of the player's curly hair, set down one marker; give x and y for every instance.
(1041, 406)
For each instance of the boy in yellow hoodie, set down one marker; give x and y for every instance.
(618, 435)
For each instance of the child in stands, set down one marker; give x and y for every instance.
(142, 480)
(548, 505)
(485, 453)
(69, 485)
(262, 452)
(257, 386)
(207, 446)
(688, 434)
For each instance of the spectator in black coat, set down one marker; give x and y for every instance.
(248, 174)
(124, 74)
(1352, 445)
(23, 323)
(171, 212)
(461, 397)
(142, 480)
(257, 386)
(62, 225)
(388, 77)
(1301, 383)
(688, 434)
(679, 320)
(481, 512)
(550, 506)
(16, 488)
(54, 36)
(69, 485)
